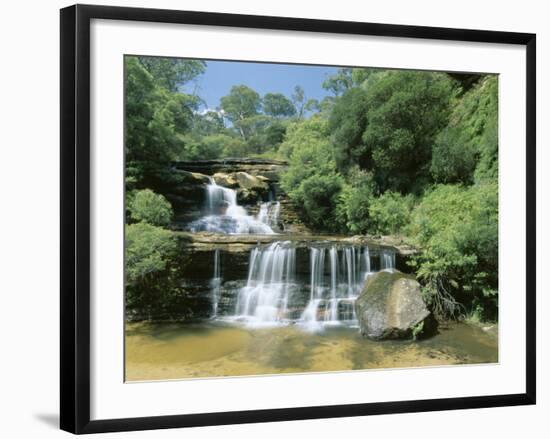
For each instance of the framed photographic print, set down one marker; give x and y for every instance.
(304, 218)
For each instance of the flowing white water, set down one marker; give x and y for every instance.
(269, 213)
(387, 259)
(265, 298)
(215, 283)
(332, 297)
(275, 293)
(224, 215)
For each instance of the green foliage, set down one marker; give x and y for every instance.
(311, 179)
(148, 250)
(146, 206)
(454, 157)
(241, 103)
(388, 124)
(457, 229)
(340, 82)
(356, 199)
(390, 213)
(347, 123)
(278, 105)
(210, 122)
(169, 73)
(155, 116)
(406, 110)
(301, 134)
(346, 79)
(467, 149)
(150, 260)
(318, 196)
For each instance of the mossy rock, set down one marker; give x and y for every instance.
(391, 307)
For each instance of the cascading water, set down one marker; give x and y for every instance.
(224, 215)
(332, 297)
(387, 259)
(264, 299)
(269, 213)
(215, 283)
(275, 291)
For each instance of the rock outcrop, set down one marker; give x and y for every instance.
(391, 307)
(250, 188)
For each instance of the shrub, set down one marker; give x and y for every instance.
(318, 196)
(146, 206)
(389, 213)
(457, 230)
(150, 252)
(147, 250)
(356, 199)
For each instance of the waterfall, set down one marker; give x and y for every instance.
(224, 215)
(265, 298)
(387, 259)
(333, 315)
(215, 283)
(269, 213)
(322, 292)
(332, 299)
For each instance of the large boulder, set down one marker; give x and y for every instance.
(391, 307)
(225, 180)
(251, 182)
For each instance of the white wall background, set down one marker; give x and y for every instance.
(29, 206)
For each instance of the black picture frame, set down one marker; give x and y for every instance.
(75, 217)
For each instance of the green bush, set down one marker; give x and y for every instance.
(150, 252)
(355, 200)
(318, 197)
(148, 248)
(457, 230)
(390, 213)
(146, 206)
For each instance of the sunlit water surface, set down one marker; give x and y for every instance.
(215, 349)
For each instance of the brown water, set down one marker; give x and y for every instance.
(174, 351)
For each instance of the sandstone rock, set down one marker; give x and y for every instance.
(250, 182)
(391, 307)
(225, 180)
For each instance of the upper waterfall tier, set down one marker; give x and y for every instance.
(225, 215)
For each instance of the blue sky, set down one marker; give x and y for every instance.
(220, 76)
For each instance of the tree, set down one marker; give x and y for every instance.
(146, 206)
(406, 111)
(171, 73)
(209, 122)
(300, 134)
(347, 123)
(299, 100)
(467, 149)
(311, 179)
(339, 82)
(155, 117)
(278, 105)
(242, 103)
